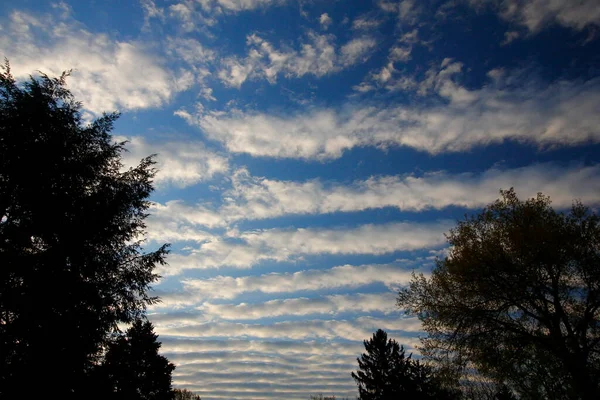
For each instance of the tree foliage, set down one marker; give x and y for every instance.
(184, 394)
(386, 373)
(132, 369)
(71, 225)
(518, 298)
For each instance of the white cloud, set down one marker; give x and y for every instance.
(334, 304)
(241, 5)
(536, 15)
(181, 163)
(199, 60)
(346, 276)
(357, 50)
(107, 74)
(388, 5)
(200, 15)
(325, 20)
(151, 11)
(230, 368)
(366, 22)
(260, 198)
(317, 56)
(246, 249)
(193, 350)
(558, 113)
(365, 239)
(388, 76)
(255, 198)
(356, 329)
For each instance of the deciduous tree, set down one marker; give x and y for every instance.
(518, 298)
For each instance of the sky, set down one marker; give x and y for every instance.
(312, 154)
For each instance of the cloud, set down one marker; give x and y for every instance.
(200, 15)
(240, 5)
(195, 291)
(536, 15)
(256, 198)
(357, 50)
(318, 57)
(332, 305)
(223, 368)
(151, 11)
(325, 20)
(456, 119)
(356, 329)
(180, 164)
(107, 74)
(260, 198)
(388, 77)
(366, 22)
(246, 249)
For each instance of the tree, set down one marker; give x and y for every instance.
(386, 373)
(132, 369)
(184, 394)
(518, 298)
(71, 226)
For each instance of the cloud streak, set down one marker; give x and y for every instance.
(107, 74)
(196, 291)
(318, 57)
(246, 249)
(560, 113)
(255, 198)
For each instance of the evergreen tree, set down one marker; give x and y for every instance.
(386, 373)
(133, 369)
(71, 225)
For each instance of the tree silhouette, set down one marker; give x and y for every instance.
(518, 298)
(132, 368)
(184, 394)
(71, 225)
(386, 373)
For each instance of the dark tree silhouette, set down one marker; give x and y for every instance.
(184, 394)
(132, 368)
(386, 373)
(71, 224)
(518, 298)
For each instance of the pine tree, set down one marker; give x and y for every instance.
(133, 369)
(386, 373)
(71, 226)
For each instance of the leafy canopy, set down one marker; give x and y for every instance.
(518, 298)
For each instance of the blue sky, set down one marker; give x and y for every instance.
(312, 154)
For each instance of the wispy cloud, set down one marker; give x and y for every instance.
(195, 291)
(245, 249)
(325, 20)
(107, 74)
(179, 163)
(536, 15)
(356, 329)
(318, 56)
(332, 305)
(255, 198)
(562, 112)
